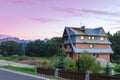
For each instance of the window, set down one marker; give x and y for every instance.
(102, 38)
(93, 37)
(97, 55)
(91, 46)
(93, 54)
(81, 37)
(89, 37)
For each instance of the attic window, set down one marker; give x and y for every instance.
(89, 37)
(102, 38)
(93, 37)
(81, 37)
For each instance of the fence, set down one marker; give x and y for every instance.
(94, 76)
(76, 75)
(71, 75)
(45, 71)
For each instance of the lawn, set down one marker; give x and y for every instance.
(22, 69)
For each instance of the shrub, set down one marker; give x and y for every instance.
(60, 63)
(45, 64)
(14, 57)
(70, 65)
(1, 56)
(107, 69)
(23, 58)
(117, 67)
(86, 62)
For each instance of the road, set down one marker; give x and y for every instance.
(12, 75)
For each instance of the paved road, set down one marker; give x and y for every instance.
(9, 75)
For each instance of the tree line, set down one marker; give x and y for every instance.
(115, 40)
(37, 48)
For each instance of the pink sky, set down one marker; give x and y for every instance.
(39, 19)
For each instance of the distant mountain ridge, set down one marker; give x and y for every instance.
(4, 38)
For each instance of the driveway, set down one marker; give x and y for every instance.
(13, 75)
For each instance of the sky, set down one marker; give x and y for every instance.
(39, 19)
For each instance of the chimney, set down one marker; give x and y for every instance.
(83, 28)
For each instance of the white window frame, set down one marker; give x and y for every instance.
(81, 37)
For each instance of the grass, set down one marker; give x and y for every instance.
(22, 69)
(30, 71)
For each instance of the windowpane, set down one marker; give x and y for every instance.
(102, 38)
(81, 37)
(93, 37)
(89, 37)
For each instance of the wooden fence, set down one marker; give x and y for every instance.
(71, 75)
(94, 76)
(45, 71)
(76, 75)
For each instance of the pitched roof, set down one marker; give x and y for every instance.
(86, 31)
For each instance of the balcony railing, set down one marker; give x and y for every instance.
(68, 50)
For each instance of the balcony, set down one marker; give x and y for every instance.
(68, 50)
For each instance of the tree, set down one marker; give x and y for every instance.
(115, 40)
(52, 46)
(86, 62)
(9, 48)
(45, 49)
(35, 48)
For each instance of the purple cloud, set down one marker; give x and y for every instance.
(45, 20)
(71, 11)
(85, 11)
(98, 12)
(26, 2)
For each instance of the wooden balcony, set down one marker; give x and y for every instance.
(68, 50)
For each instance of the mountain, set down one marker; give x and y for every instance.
(45, 40)
(4, 38)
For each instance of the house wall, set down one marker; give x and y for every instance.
(102, 55)
(94, 45)
(106, 56)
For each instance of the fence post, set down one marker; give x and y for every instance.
(112, 72)
(87, 75)
(56, 72)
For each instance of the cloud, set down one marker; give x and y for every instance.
(25, 2)
(86, 12)
(70, 11)
(99, 12)
(45, 20)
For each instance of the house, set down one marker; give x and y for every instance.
(93, 41)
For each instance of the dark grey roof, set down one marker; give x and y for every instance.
(87, 31)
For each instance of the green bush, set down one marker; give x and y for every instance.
(107, 69)
(117, 68)
(14, 57)
(23, 58)
(60, 63)
(70, 65)
(1, 56)
(45, 63)
(86, 62)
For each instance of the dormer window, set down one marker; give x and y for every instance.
(89, 37)
(81, 37)
(102, 38)
(93, 37)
